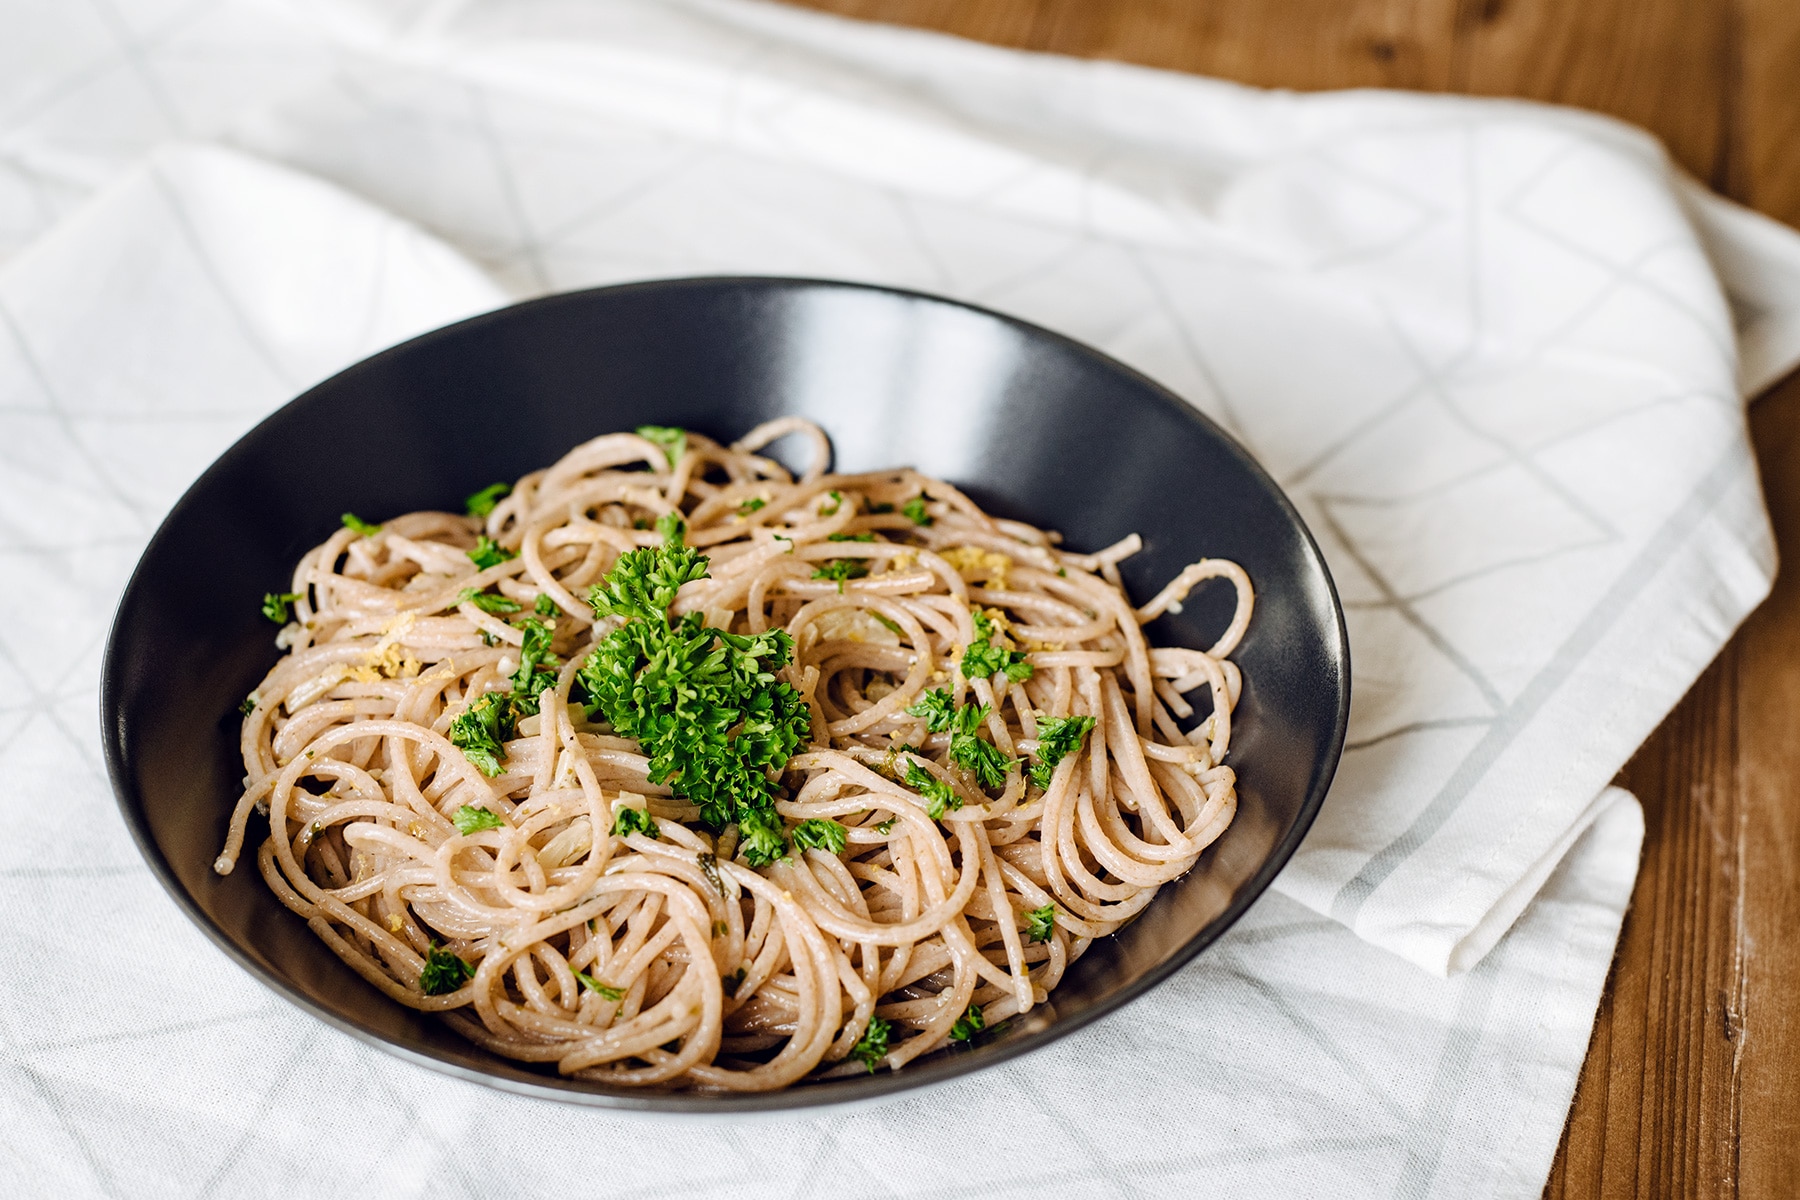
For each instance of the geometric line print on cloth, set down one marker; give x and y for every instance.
(1345, 280)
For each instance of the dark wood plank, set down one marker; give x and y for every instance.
(1692, 1084)
(1766, 939)
(1663, 64)
(1658, 63)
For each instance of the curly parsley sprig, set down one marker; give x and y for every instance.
(1058, 737)
(981, 758)
(703, 704)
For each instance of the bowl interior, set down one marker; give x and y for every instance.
(1030, 424)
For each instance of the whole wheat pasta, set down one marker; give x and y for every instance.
(996, 767)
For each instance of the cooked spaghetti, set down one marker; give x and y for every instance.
(671, 769)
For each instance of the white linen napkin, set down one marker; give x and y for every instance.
(1484, 345)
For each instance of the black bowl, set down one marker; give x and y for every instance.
(1031, 424)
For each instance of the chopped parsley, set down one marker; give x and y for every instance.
(357, 525)
(1039, 922)
(935, 706)
(751, 505)
(489, 553)
(703, 704)
(275, 605)
(732, 982)
(850, 537)
(444, 972)
(968, 751)
(480, 731)
(914, 511)
(760, 838)
(709, 867)
(599, 989)
(968, 1025)
(487, 602)
(249, 705)
(890, 624)
(938, 794)
(872, 1046)
(837, 502)
(673, 528)
(672, 440)
(1058, 737)
(544, 605)
(815, 834)
(482, 503)
(886, 827)
(984, 657)
(628, 821)
(841, 569)
(871, 507)
(536, 672)
(474, 820)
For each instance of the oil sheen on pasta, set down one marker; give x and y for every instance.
(944, 848)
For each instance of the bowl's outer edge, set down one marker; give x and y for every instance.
(837, 1093)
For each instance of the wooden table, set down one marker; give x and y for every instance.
(1692, 1081)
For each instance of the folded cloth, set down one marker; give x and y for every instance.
(1485, 346)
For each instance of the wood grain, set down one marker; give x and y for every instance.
(1692, 1083)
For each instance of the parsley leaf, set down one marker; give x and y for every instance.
(761, 841)
(872, 1046)
(871, 507)
(968, 1025)
(890, 624)
(599, 989)
(850, 537)
(815, 834)
(673, 528)
(481, 730)
(444, 972)
(275, 605)
(628, 821)
(886, 827)
(671, 438)
(837, 502)
(536, 672)
(643, 583)
(487, 602)
(1058, 737)
(751, 505)
(983, 657)
(1039, 922)
(474, 820)
(249, 705)
(914, 511)
(489, 553)
(704, 705)
(544, 605)
(732, 982)
(938, 794)
(841, 569)
(353, 522)
(482, 503)
(936, 708)
(969, 752)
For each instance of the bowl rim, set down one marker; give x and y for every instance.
(851, 1091)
